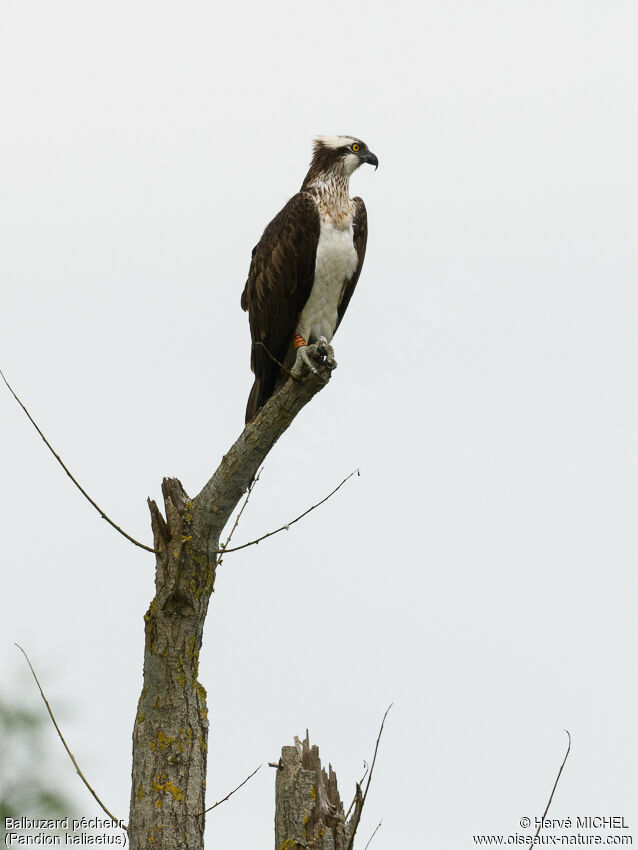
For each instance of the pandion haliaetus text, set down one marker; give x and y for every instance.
(306, 265)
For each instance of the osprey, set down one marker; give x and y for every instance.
(305, 267)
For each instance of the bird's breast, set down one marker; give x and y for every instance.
(335, 264)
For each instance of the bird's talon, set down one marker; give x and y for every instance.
(302, 352)
(329, 356)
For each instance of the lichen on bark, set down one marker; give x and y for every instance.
(309, 814)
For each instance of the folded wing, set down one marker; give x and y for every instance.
(279, 283)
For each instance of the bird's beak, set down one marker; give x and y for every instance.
(370, 158)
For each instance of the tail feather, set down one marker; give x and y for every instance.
(263, 387)
(253, 401)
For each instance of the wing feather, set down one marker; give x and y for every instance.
(279, 283)
(360, 239)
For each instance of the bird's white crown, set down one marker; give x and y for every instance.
(332, 141)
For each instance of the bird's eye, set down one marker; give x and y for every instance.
(356, 147)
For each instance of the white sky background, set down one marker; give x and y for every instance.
(481, 573)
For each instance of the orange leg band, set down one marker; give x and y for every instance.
(298, 341)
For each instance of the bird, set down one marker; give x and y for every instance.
(305, 267)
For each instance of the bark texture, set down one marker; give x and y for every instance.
(170, 735)
(309, 813)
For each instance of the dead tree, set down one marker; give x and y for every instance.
(170, 736)
(309, 814)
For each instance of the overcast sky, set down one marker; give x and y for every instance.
(481, 573)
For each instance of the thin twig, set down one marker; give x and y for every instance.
(365, 793)
(223, 800)
(251, 487)
(374, 757)
(77, 484)
(278, 362)
(358, 787)
(372, 836)
(551, 796)
(66, 747)
(287, 526)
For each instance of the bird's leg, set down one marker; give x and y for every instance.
(301, 347)
(321, 352)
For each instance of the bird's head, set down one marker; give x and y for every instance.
(339, 156)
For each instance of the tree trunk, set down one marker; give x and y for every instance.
(309, 813)
(171, 727)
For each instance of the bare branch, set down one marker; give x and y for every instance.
(223, 800)
(376, 750)
(373, 834)
(251, 487)
(61, 736)
(287, 526)
(357, 793)
(217, 500)
(551, 796)
(356, 816)
(65, 468)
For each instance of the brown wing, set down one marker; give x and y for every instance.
(279, 283)
(360, 238)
